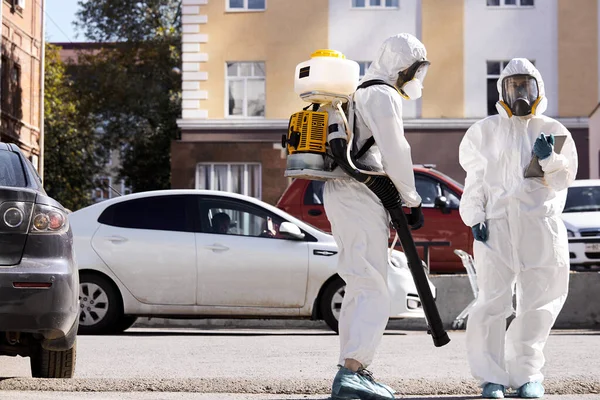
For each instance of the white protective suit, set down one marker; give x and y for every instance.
(359, 222)
(527, 241)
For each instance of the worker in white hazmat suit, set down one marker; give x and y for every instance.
(519, 235)
(360, 223)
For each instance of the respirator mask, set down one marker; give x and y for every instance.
(521, 94)
(410, 81)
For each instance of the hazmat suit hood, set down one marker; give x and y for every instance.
(521, 66)
(396, 54)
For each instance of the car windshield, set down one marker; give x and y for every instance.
(11, 170)
(583, 199)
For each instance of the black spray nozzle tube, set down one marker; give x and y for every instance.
(385, 190)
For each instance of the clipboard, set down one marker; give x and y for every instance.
(534, 169)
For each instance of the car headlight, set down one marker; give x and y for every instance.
(48, 219)
(570, 233)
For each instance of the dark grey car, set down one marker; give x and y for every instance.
(39, 283)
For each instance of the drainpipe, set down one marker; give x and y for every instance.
(42, 73)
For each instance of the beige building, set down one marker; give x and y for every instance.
(239, 58)
(238, 68)
(21, 74)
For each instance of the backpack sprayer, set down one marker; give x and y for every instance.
(319, 151)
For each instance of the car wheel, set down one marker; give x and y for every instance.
(331, 302)
(53, 364)
(101, 306)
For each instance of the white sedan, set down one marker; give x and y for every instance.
(582, 219)
(210, 254)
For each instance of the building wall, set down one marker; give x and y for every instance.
(594, 144)
(281, 36)
(444, 155)
(358, 33)
(443, 92)
(460, 37)
(186, 155)
(581, 136)
(577, 57)
(438, 147)
(500, 33)
(22, 44)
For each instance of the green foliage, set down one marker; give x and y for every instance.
(132, 84)
(71, 157)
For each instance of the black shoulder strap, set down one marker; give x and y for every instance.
(370, 141)
(373, 82)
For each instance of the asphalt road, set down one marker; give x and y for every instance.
(298, 364)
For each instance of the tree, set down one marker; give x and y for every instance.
(72, 155)
(131, 84)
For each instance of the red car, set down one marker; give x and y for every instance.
(442, 233)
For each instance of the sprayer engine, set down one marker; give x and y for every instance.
(306, 140)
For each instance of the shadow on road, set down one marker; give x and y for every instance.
(438, 397)
(399, 397)
(569, 332)
(275, 332)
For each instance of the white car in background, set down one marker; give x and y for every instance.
(158, 254)
(582, 219)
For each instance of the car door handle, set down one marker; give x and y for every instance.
(314, 212)
(116, 239)
(216, 247)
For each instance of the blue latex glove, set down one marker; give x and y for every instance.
(480, 232)
(543, 146)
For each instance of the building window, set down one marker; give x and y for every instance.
(494, 68)
(375, 3)
(246, 5)
(245, 89)
(5, 84)
(235, 177)
(15, 83)
(510, 3)
(102, 190)
(364, 66)
(10, 89)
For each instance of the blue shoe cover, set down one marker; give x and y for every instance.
(531, 390)
(348, 384)
(493, 391)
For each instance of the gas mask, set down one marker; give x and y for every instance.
(520, 95)
(410, 81)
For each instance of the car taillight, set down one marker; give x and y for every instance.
(15, 216)
(48, 219)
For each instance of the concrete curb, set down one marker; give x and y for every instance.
(413, 387)
(454, 294)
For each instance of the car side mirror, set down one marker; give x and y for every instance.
(443, 203)
(291, 230)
